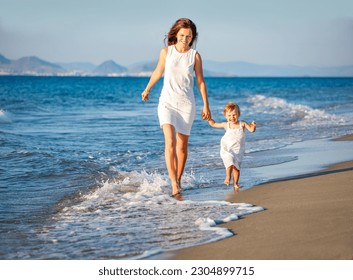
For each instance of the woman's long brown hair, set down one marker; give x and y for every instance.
(179, 24)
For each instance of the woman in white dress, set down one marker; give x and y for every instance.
(176, 108)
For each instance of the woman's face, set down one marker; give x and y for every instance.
(184, 37)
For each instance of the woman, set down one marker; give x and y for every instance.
(176, 108)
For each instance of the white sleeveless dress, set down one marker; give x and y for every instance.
(177, 101)
(233, 146)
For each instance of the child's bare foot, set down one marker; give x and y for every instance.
(236, 187)
(227, 181)
(228, 175)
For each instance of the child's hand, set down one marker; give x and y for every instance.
(253, 125)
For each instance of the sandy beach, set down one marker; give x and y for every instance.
(309, 217)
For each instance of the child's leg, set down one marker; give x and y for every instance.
(228, 175)
(236, 177)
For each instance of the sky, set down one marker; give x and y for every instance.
(276, 32)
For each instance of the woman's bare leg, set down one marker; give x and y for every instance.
(181, 155)
(171, 155)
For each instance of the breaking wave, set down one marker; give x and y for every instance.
(292, 113)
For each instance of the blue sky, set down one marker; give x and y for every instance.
(296, 32)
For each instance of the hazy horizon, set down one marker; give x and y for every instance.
(300, 33)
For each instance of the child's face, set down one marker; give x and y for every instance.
(232, 116)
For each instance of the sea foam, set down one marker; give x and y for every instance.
(296, 114)
(4, 117)
(134, 207)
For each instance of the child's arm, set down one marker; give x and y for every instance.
(212, 123)
(251, 127)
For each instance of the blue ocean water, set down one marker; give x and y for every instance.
(82, 172)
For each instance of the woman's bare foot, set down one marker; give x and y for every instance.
(175, 189)
(180, 189)
(176, 192)
(177, 196)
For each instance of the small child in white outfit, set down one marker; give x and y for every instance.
(233, 141)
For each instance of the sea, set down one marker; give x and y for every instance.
(82, 170)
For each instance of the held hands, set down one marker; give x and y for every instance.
(206, 114)
(211, 121)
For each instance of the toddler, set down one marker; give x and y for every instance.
(233, 141)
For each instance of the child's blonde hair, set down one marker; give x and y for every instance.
(230, 107)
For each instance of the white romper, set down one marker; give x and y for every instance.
(232, 146)
(177, 101)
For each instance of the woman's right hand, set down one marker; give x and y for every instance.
(144, 95)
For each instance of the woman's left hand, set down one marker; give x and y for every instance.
(206, 113)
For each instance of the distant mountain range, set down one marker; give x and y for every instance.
(35, 66)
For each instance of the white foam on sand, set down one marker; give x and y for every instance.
(135, 214)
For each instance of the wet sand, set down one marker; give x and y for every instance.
(308, 217)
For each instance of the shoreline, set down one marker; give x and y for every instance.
(306, 217)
